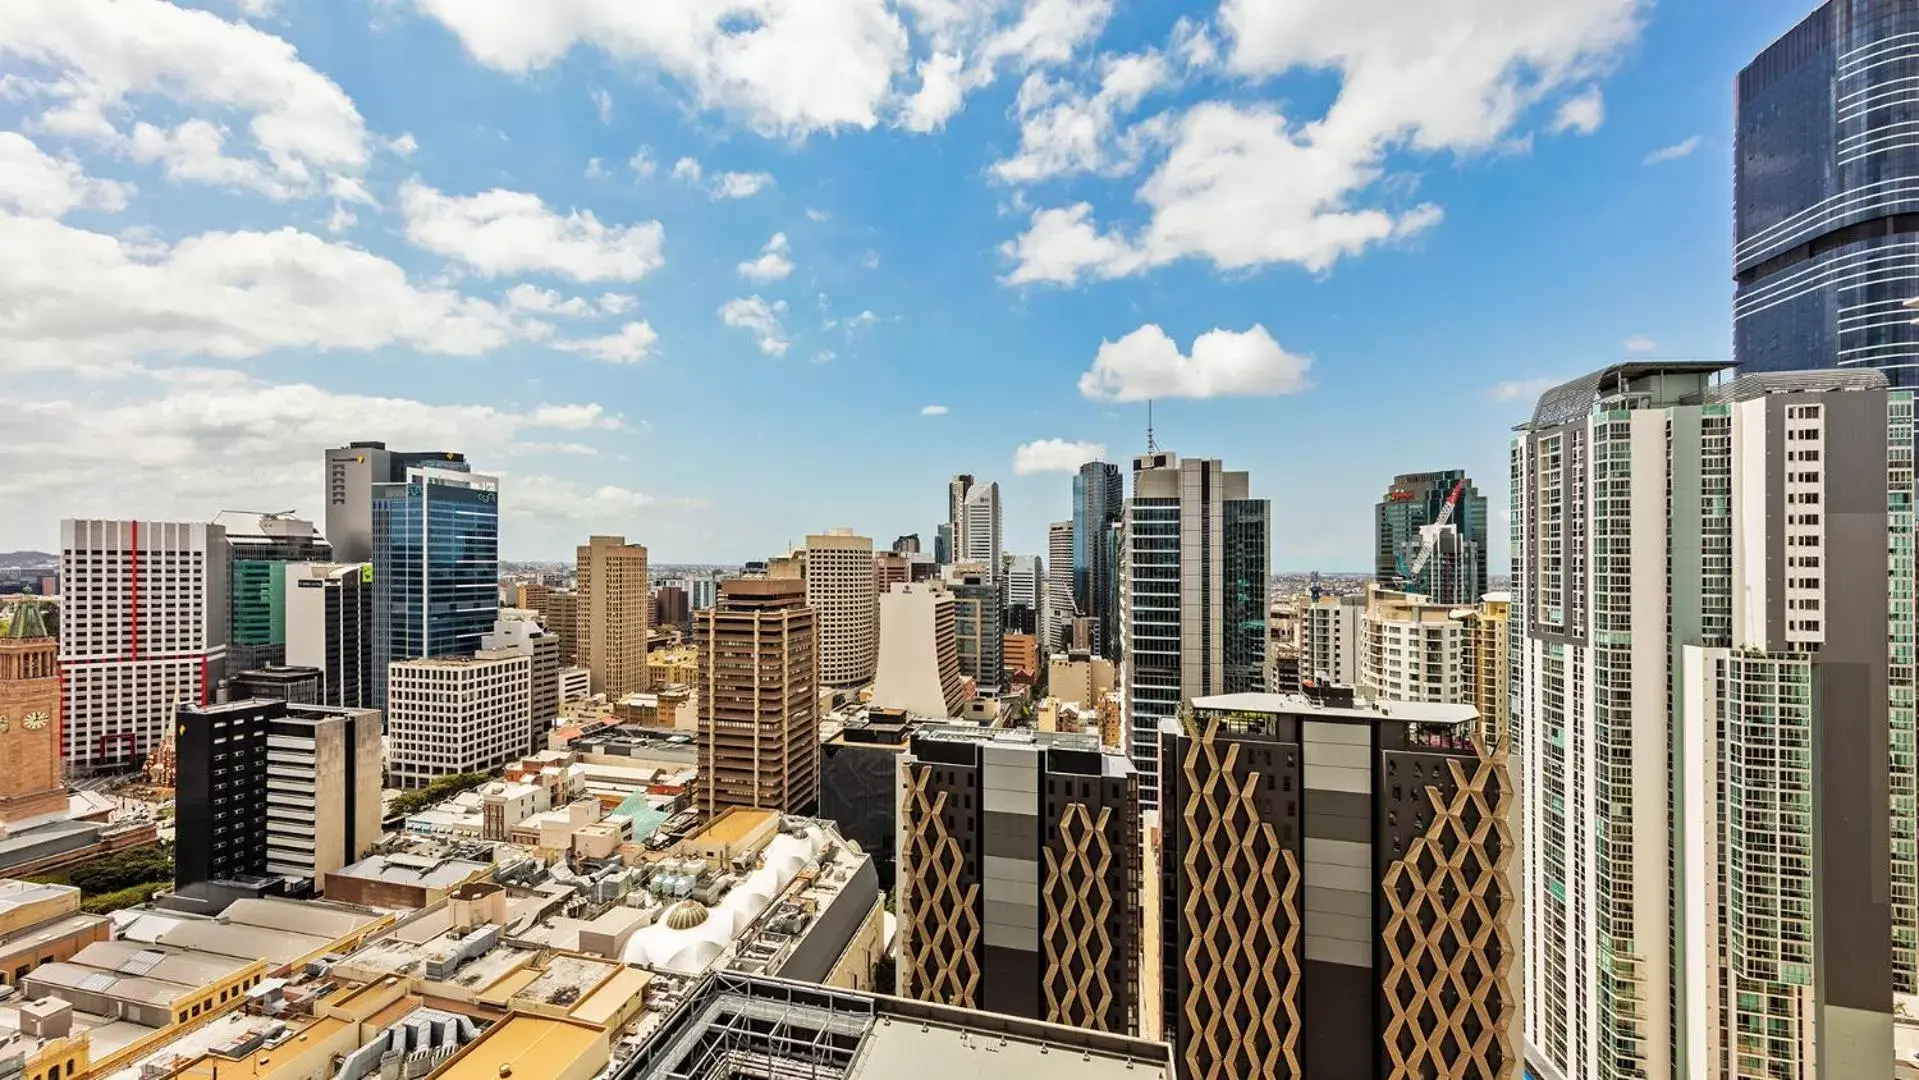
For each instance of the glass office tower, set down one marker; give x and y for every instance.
(1826, 194)
(436, 567)
(1099, 498)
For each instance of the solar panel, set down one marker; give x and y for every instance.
(98, 982)
(141, 962)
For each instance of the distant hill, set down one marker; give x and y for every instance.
(28, 560)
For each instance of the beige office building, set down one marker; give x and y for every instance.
(840, 588)
(613, 613)
(457, 714)
(919, 668)
(759, 733)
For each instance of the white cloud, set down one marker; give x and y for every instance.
(1064, 132)
(603, 105)
(763, 319)
(596, 169)
(773, 263)
(642, 163)
(140, 447)
(80, 299)
(1640, 343)
(508, 232)
(1147, 364)
(817, 216)
(525, 297)
(933, 410)
(740, 185)
(632, 344)
(1583, 114)
(1244, 185)
(404, 145)
(687, 169)
(194, 151)
(942, 91)
(34, 183)
(1680, 149)
(1055, 455)
(617, 303)
(341, 219)
(785, 66)
(548, 498)
(576, 417)
(98, 56)
(1521, 389)
(825, 356)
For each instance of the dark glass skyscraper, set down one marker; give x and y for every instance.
(1099, 499)
(1456, 574)
(1826, 194)
(436, 567)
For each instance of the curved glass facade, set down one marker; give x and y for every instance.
(1826, 194)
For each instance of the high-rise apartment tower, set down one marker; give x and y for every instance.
(613, 613)
(1717, 736)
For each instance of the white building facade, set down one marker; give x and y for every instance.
(457, 714)
(919, 668)
(143, 629)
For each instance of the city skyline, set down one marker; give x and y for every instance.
(486, 349)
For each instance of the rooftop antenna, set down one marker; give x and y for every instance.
(1151, 446)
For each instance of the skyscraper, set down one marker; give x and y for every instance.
(143, 629)
(919, 669)
(436, 566)
(1336, 896)
(613, 613)
(1099, 500)
(759, 736)
(352, 472)
(259, 547)
(1194, 594)
(842, 591)
(1456, 572)
(1060, 607)
(329, 626)
(1718, 855)
(978, 539)
(1826, 194)
(1019, 869)
(1025, 578)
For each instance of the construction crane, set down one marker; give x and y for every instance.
(1429, 538)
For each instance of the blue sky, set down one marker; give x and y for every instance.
(234, 235)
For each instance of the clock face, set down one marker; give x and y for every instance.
(34, 721)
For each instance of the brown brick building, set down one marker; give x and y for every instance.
(759, 739)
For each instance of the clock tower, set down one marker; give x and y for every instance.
(30, 787)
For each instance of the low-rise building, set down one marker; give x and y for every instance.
(41, 924)
(1080, 678)
(402, 881)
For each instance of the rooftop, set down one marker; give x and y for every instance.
(523, 1046)
(786, 1028)
(1404, 712)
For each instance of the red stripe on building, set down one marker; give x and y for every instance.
(133, 586)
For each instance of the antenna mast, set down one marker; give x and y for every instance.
(1151, 446)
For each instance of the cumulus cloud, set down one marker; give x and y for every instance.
(1055, 455)
(632, 344)
(617, 303)
(687, 169)
(793, 67)
(140, 446)
(82, 299)
(35, 183)
(603, 105)
(509, 232)
(1147, 364)
(933, 410)
(642, 164)
(1640, 343)
(1583, 114)
(1064, 131)
(971, 42)
(1243, 184)
(740, 185)
(93, 60)
(763, 319)
(773, 263)
(545, 301)
(1681, 149)
(596, 169)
